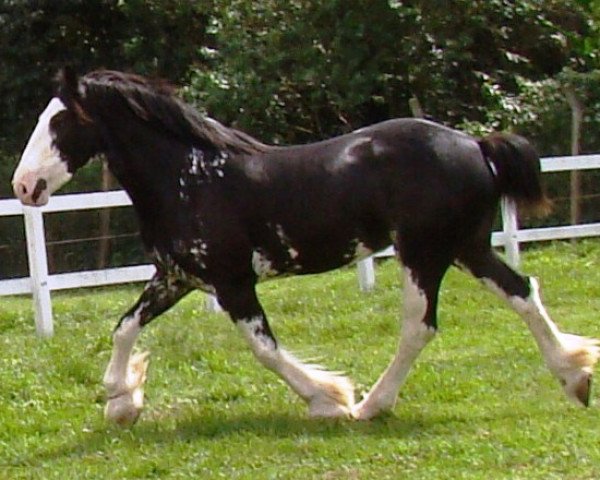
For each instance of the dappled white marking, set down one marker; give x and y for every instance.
(262, 266)
(41, 160)
(286, 242)
(175, 273)
(283, 238)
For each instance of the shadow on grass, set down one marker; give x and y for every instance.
(195, 426)
(192, 426)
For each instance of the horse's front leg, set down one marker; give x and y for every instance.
(327, 394)
(126, 373)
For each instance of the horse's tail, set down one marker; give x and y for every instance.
(517, 169)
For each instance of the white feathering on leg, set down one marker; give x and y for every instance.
(124, 408)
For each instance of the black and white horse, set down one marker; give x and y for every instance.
(220, 211)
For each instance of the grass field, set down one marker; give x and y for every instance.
(478, 405)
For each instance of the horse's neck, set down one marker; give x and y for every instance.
(152, 184)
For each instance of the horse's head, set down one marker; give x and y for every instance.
(64, 139)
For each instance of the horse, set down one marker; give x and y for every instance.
(220, 211)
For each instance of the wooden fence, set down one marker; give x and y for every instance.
(40, 283)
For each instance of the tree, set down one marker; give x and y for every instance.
(305, 69)
(38, 37)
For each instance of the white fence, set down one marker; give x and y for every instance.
(40, 283)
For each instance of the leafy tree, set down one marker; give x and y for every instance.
(305, 69)
(37, 37)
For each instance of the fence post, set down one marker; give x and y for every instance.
(38, 270)
(510, 227)
(366, 274)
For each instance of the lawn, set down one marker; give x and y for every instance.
(478, 405)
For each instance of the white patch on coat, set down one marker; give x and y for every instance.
(283, 238)
(262, 266)
(41, 160)
(414, 329)
(287, 243)
(195, 157)
(174, 273)
(349, 155)
(200, 170)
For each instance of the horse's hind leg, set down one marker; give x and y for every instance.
(327, 394)
(570, 358)
(419, 325)
(125, 374)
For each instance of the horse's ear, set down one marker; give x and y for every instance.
(67, 82)
(69, 93)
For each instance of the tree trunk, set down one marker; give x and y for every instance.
(576, 120)
(104, 246)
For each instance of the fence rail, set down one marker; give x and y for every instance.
(511, 236)
(40, 283)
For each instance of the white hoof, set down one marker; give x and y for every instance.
(368, 408)
(325, 407)
(125, 409)
(576, 366)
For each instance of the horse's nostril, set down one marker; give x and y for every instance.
(22, 189)
(40, 186)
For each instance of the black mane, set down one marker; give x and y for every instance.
(155, 101)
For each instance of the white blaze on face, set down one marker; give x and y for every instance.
(41, 170)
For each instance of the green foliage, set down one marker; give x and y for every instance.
(479, 403)
(301, 70)
(305, 69)
(38, 37)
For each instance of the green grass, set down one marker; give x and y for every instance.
(479, 404)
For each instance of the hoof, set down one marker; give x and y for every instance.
(122, 410)
(326, 408)
(577, 366)
(125, 408)
(362, 414)
(361, 411)
(366, 410)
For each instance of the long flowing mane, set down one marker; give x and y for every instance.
(155, 101)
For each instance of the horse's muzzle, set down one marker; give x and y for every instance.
(31, 190)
